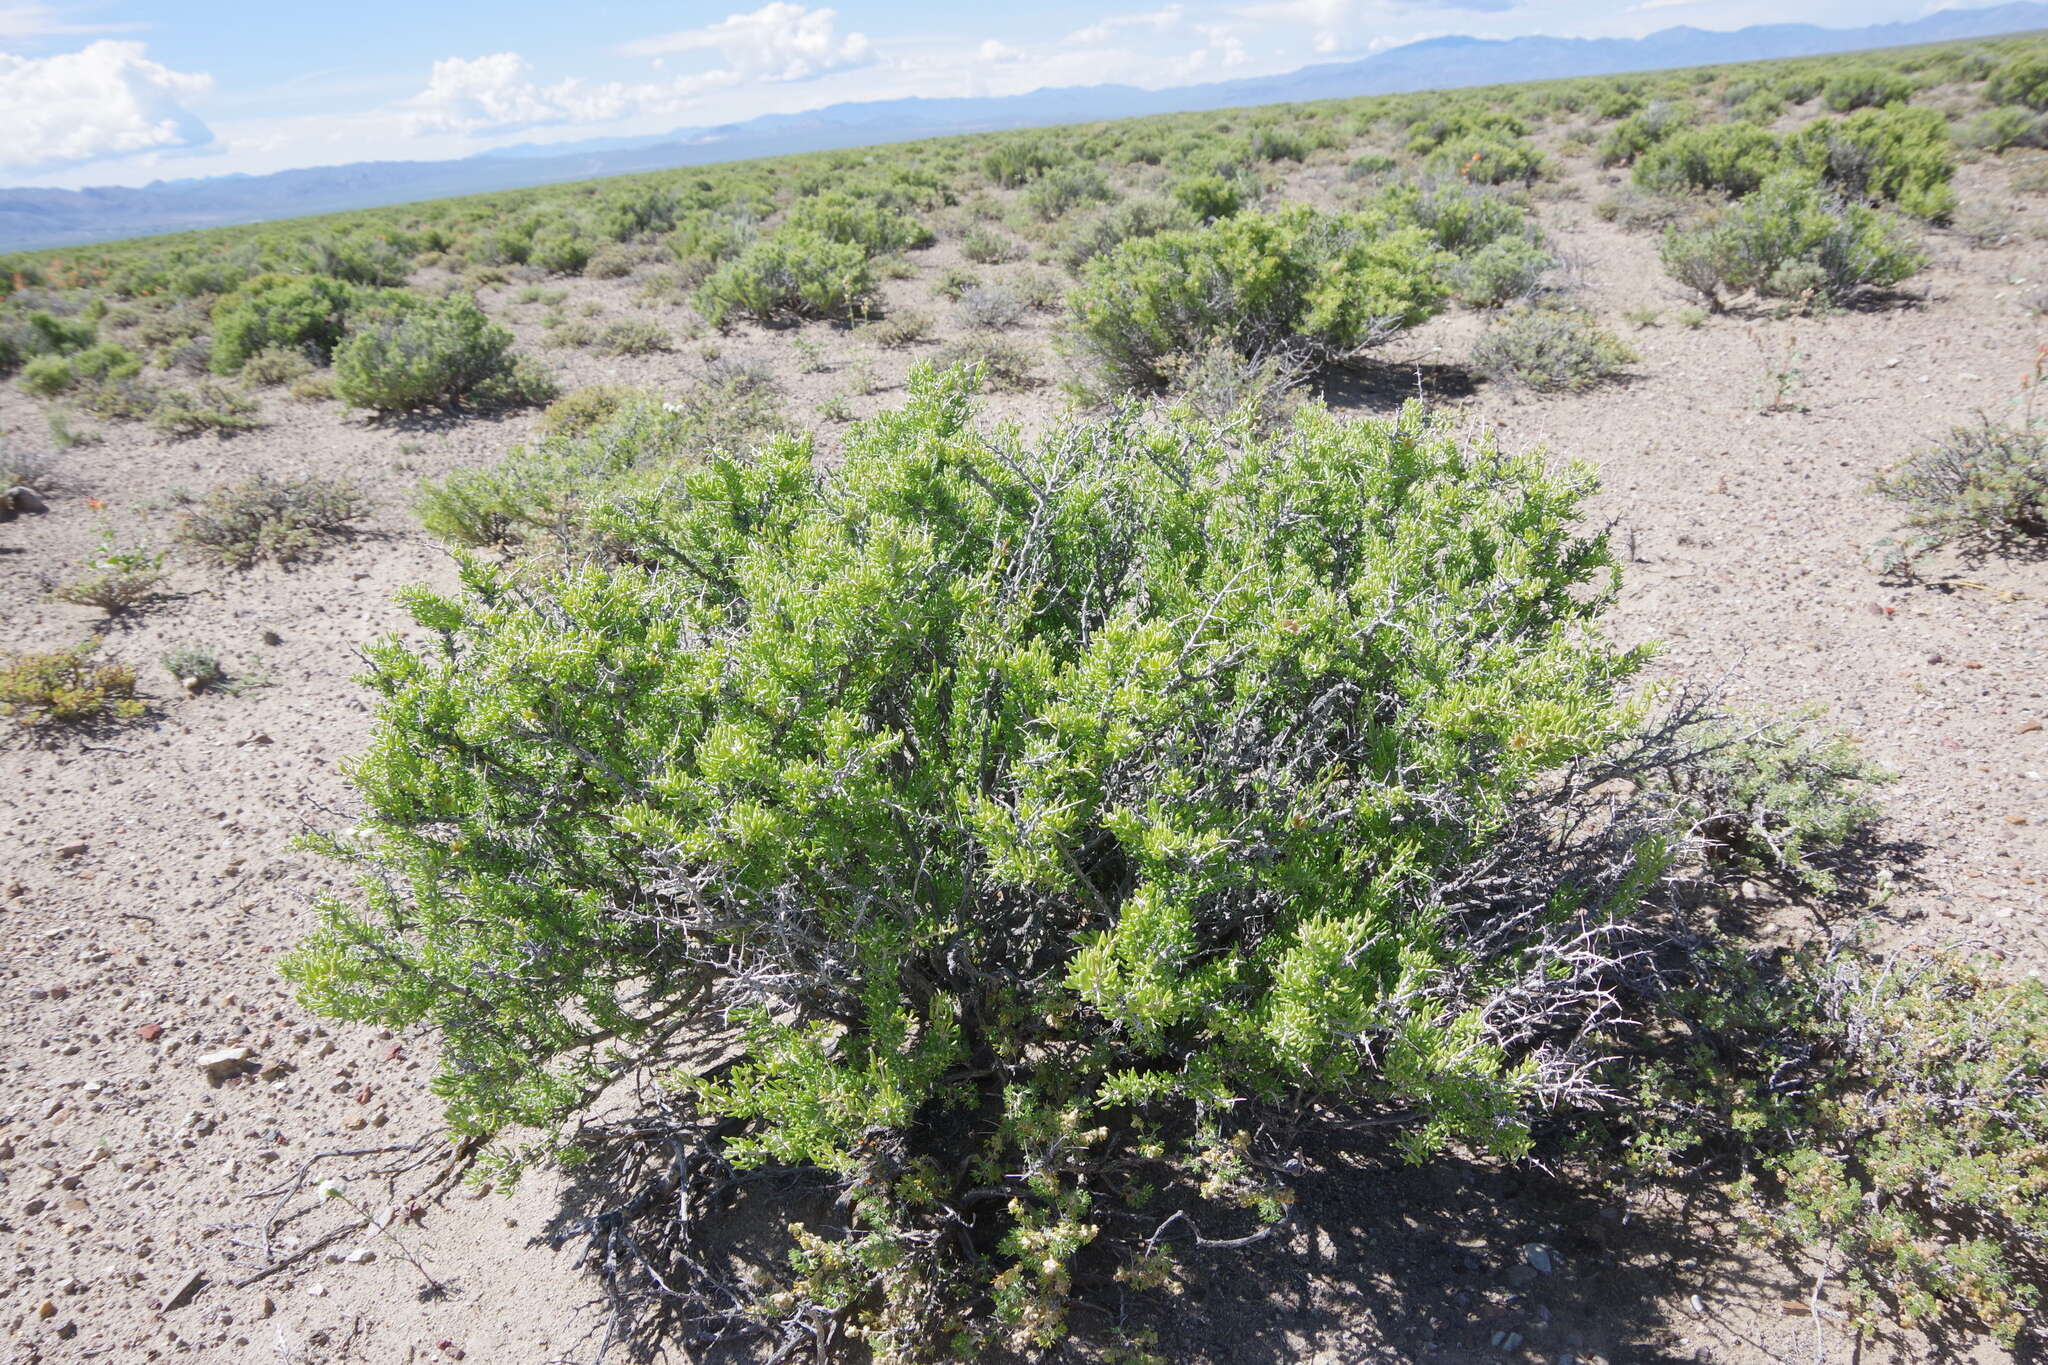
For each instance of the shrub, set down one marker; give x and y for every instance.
(1013, 162)
(308, 314)
(1320, 284)
(46, 376)
(1488, 160)
(957, 778)
(1001, 363)
(585, 410)
(1900, 155)
(1458, 217)
(430, 353)
(610, 263)
(1865, 87)
(563, 251)
(985, 246)
(282, 520)
(1789, 239)
(1998, 130)
(792, 273)
(1637, 134)
(210, 407)
(990, 308)
(1207, 198)
(276, 365)
(1221, 387)
(901, 329)
(1551, 350)
(1983, 487)
(67, 687)
(197, 670)
(1059, 192)
(115, 580)
(631, 336)
(2020, 79)
(1503, 271)
(1732, 158)
(870, 224)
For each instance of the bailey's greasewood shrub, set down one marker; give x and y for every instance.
(793, 272)
(304, 313)
(411, 352)
(1792, 239)
(1300, 280)
(1022, 838)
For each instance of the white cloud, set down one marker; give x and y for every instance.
(993, 51)
(43, 21)
(1163, 20)
(497, 94)
(108, 100)
(778, 42)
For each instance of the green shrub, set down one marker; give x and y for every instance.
(1983, 487)
(1732, 158)
(1505, 270)
(985, 246)
(956, 778)
(870, 224)
(276, 365)
(1059, 192)
(47, 376)
(421, 353)
(2020, 79)
(1141, 216)
(1458, 217)
(1320, 284)
(209, 407)
(115, 580)
(1551, 350)
(308, 314)
(1207, 198)
(1630, 138)
(585, 410)
(1900, 155)
(1997, 130)
(67, 687)
(632, 336)
(791, 273)
(1002, 364)
(1789, 239)
(1016, 161)
(282, 520)
(562, 251)
(1488, 160)
(1865, 87)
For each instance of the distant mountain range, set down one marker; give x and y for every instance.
(41, 217)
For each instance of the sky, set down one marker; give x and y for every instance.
(97, 92)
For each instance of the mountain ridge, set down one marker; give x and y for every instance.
(32, 218)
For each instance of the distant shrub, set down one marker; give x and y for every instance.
(1458, 217)
(1300, 280)
(561, 251)
(1015, 161)
(990, 308)
(610, 263)
(1488, 160)
(791, 273)
(1732, 158)
(208, 407)
(282, 520)
(353, 260)
(302, 313)
(1233, 391)
(1210, 197)
(1059, 192)
(1505, 270)
(66, 687)
(1983, 487)
(431, 353)
(583, 411)
(1792, 237)
(1637, 134)
(1551, 350)
(1001, 363)
(985, 246)
(1900, 155)
(633, 336)
(276, 365)
(901, 329)
(1865, 87)
(47, 376)
(2020, 79)
(1270, 143)
(1998, 130)
(870, 224)
(1369, 165)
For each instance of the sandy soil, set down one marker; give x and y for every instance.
(148, 880)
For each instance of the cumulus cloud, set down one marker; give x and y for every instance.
(777, 42)
(108, 100)
(43, 21)
(497, 94)
(992, 50)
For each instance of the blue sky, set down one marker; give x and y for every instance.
(96, 92)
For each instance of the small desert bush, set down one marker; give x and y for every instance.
(1633, 136)
(1792, 239)
(1316, 284)
(1219, 386)
(901, 329)
(275, 365)
(1001, 363)
(1207, 198)
(610, 263)
(1018, 160)
(791, 273)
(1141, 216)
(1903, 156)
(116, 580)
(307, 314)
(1865, 87)
(631, 336)
(1983, 487)
(197, 670)
(1730, 158)
(423, 353)
(868, 223)
(282, 520)
(583, 411)
(1487, 160)
(209, 407)
(2020, 79)
(1059, 192)
(1504, 271)
(1998, 130)
(1550, 350)
(66, 687)
(985, 246)
(990, 308)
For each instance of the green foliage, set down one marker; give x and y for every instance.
(302, 313)
(794, 272)
(1637, 134)
(1207, 198)
(1865, 87)
(115, 580)
(47, 376)
(415, 353)
(1899, 155)
(1141, 216)
(985, 246)
(282, 520)
(2020, 79)
(1034, 808)
(1017, 160)
(67, 687)
(1324, 284)
(1060, 191)
(2000, 129)
(1551, 350)
(209, 407)
(869, 223)
(633, 336)
(583, 411)
(1983, 487)
(1488, 159)
(1732, 158)
(275, 365)
(1791, 239)
(1504, 271)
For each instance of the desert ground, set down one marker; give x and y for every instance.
(158, 1208)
